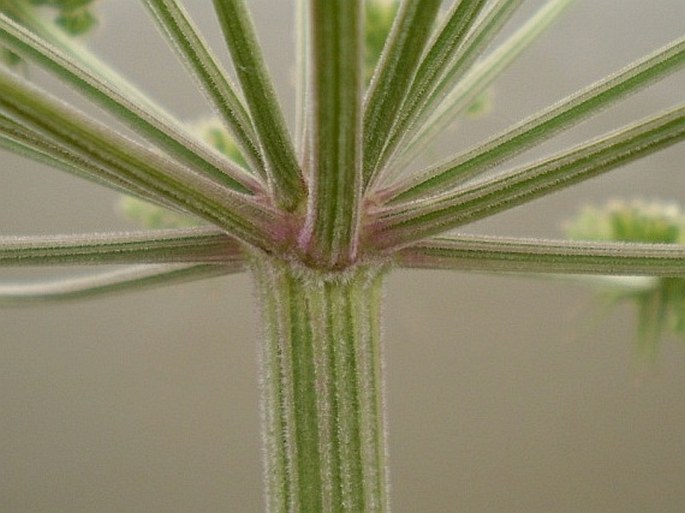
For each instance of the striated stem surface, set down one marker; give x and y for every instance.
(322, 389)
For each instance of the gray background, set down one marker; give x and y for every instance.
(505, 394)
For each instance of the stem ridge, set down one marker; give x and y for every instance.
(322, 383)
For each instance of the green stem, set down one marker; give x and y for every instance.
(322, 389)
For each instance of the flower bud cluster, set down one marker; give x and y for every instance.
(74, 16)
(634, 221)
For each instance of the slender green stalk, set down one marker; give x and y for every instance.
(260, 95)
(161, 246)
(124, 280)
(330, 234)
(149, 170)
(14, 138)
(322, 389)
(407, 223)
(457, 92)
(396, 69)
(498, 254)
(545, 124)
(19, 139)
(189, 44)
(78, 52)
(454, 49)
(137, 114)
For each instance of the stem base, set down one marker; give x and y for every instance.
(322, 402)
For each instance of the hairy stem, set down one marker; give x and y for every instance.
(322, 389)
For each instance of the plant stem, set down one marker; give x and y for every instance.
(322, 387)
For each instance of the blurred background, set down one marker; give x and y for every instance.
(504, 394)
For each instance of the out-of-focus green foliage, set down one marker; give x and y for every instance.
(661, 306)
(482, 105)
(75, 17)
(148, 215)
(215, 134)
(635, 221)
(379, 18)
(8, 57)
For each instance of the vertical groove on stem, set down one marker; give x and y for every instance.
(334, 112)
(322, 390)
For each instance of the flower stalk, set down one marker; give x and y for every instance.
(322, 401)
